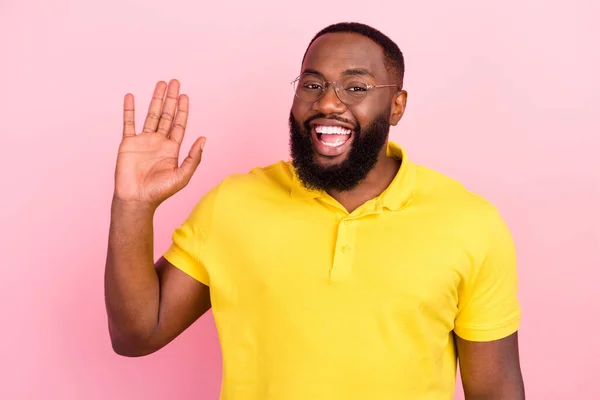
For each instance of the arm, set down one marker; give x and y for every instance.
(486, 327)
(491, 370)
(147, 305)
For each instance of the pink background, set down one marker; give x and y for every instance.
(503, 96)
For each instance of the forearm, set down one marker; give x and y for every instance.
(132, 291)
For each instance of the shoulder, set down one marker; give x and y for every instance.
(271, 178)
(471, 220)
(452, 201)
(239, 190)
(436, 186)
(237, 193)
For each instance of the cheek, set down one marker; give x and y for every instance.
(368, 113)
(300, 108)
(300, 115)
(362, 115)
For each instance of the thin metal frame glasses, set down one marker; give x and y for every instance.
(350, 89)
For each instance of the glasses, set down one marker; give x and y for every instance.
(350, 89)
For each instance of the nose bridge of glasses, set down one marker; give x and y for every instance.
(328, 84)
(334, 86)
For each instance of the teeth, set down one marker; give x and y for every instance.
(332, 130)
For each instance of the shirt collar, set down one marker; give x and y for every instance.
(402, 189)
(397, 195)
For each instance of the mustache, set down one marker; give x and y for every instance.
(331, 118)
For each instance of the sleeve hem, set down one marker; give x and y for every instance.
(486, 334)
(183, 263)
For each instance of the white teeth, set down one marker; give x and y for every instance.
(332, 130)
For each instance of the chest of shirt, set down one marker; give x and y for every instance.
(403, 261)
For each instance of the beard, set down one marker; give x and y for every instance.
(362, 156)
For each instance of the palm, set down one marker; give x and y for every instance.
(148, 168)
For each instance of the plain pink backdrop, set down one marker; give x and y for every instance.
(503, 96)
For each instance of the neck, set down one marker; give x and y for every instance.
(377, 180)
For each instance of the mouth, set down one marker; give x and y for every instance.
(331, 140)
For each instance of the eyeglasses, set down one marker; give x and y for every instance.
(351, 89)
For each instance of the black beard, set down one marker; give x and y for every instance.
(364, 152)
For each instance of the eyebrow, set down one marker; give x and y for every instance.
(351, 71)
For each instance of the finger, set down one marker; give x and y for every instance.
(128, 116)
(169, 107)
(155, 108)
(191, 162)
(180, 123)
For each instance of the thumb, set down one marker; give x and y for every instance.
(191, 162)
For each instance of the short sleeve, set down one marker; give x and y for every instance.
(488, 305)
(190, 240)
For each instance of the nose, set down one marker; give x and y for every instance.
(329, 103)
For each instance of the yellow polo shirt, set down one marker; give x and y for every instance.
(314, 303)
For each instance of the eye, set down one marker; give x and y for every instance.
(312, 86)
(356, 89)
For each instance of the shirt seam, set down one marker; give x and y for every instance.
(482, 328)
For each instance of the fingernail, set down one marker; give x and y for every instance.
(202, 143)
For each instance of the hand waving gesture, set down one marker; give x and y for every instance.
(148, 170)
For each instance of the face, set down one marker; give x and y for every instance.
(335, 145)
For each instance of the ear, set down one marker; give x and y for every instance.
(398, 107)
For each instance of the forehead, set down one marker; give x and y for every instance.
(334, 53)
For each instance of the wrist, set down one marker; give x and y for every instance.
(136, 207)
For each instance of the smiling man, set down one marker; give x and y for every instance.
(347, 273)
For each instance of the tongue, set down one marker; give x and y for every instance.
(334, 139)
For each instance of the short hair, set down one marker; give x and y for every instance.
(393, 58)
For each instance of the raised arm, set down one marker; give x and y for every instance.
(149, 304)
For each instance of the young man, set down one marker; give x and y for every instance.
(348, 273)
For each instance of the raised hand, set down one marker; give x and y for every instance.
(148, 170)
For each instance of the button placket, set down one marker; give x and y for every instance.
(344, 250)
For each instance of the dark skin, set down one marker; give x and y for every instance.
(491, 370)
(331, 55)
(148, 305)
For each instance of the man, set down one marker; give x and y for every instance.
(347, 273)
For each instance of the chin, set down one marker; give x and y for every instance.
(329, 161)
